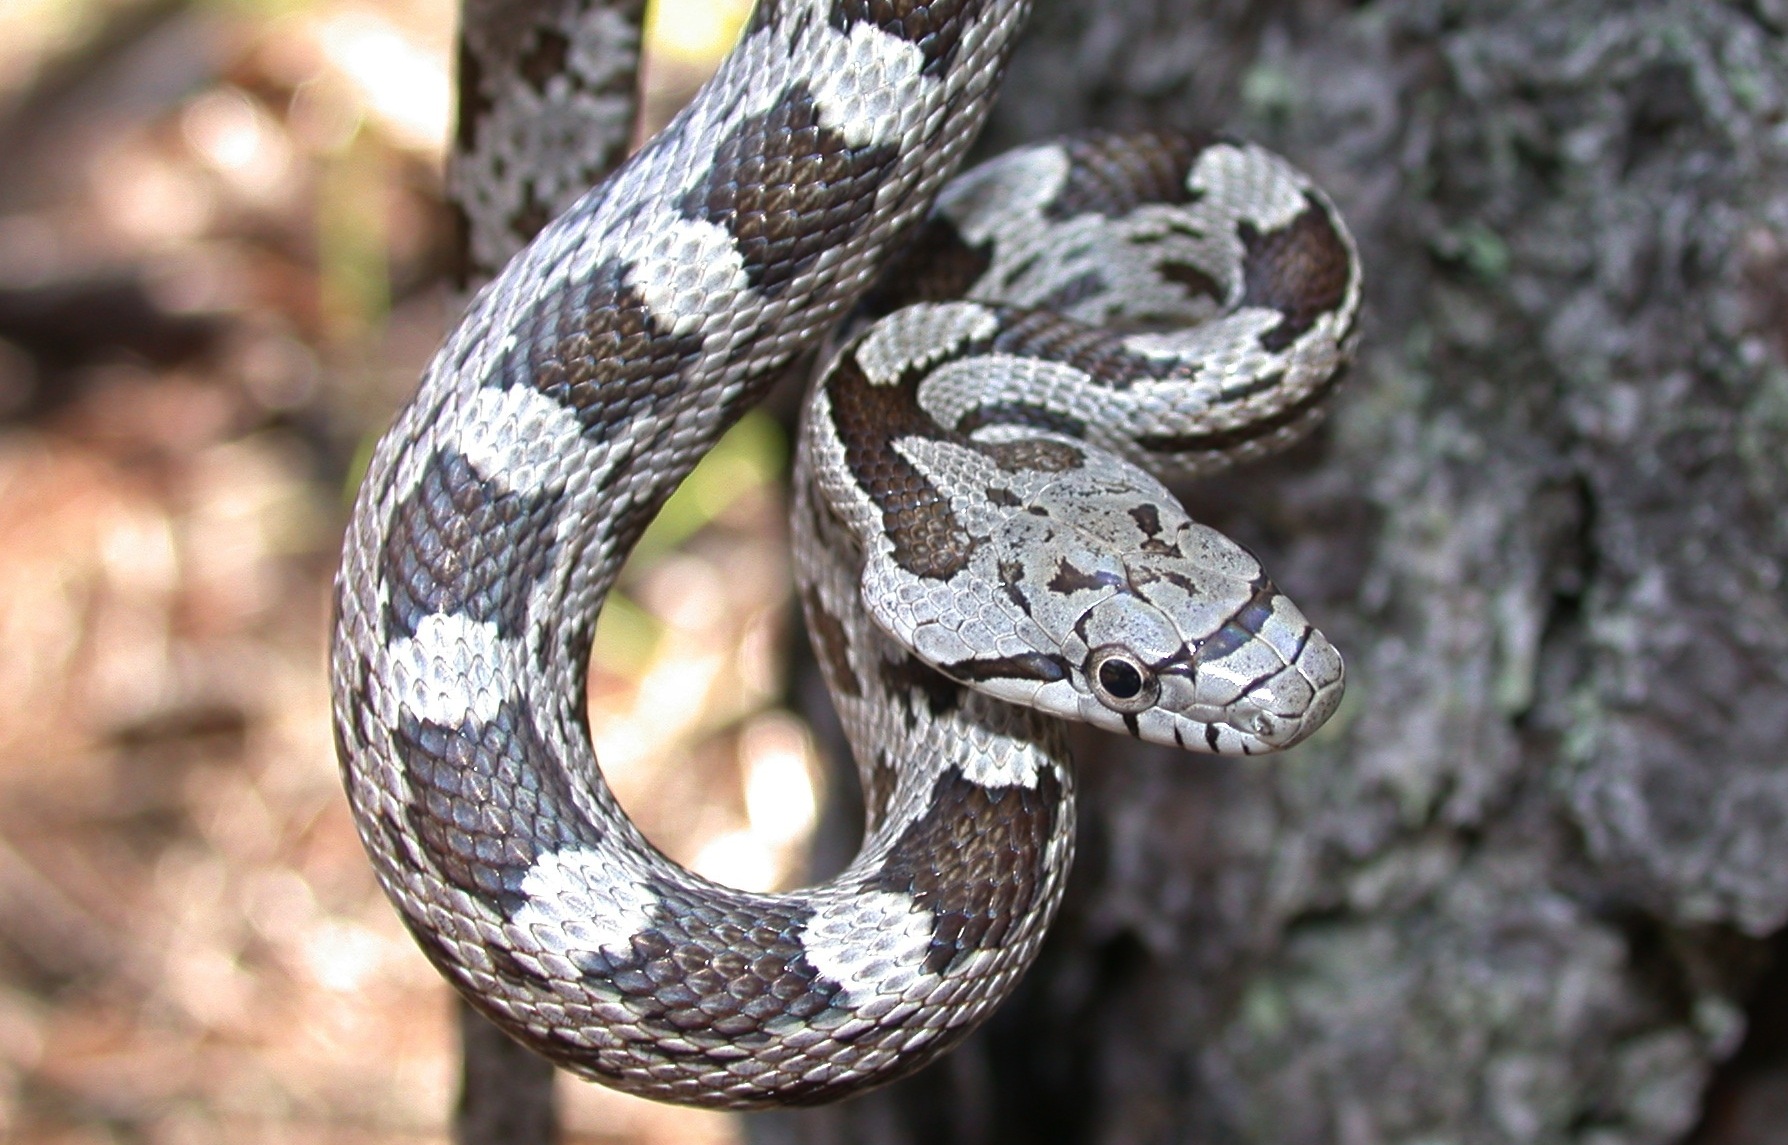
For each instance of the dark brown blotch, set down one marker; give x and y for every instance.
(1036, 455)
(597, 348)
(936, 26)
(1148, 519)
(1196, 281)
(1020, 413)
(1301, 270)
(939, 265)
(1098, 352)
(788, 189)
(1259, 385)
(1111, 175)
(1070, 579)
(830, 643)
(1074, 291)
(461, 545)
(913, 682)
(475, 104)
(1225, 440)
(927, 538)
(716, 969)
(879, 781)
(1011, 577)
(544, 58)
(1039, 666)
(974, 859)
(487, 800)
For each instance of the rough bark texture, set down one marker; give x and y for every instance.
(1521, 889)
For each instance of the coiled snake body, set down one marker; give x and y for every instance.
(979, 547)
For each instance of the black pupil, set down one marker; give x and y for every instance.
(1120, 678)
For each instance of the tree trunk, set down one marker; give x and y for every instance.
(1521, 888)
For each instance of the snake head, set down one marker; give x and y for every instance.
(1176, 637)
(1199, 649)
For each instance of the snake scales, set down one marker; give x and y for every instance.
(981, 547)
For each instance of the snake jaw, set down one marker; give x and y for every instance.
(1185, 644)
(1214, 711)
(1261, 682)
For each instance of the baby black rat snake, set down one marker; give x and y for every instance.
(981, 543)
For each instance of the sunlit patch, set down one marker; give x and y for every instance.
(780, 800)
(404, 86)
(239, 141)
(343, 956)
(694, 32)
(738, 859)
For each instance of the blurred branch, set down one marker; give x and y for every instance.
(61, 939)
(506, 1092)
(66, 323)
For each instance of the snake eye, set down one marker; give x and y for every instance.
(1121, 681)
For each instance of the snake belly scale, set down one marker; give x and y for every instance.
(983, 545)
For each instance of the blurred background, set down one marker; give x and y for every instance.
(222, 266)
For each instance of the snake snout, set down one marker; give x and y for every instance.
(1273, 687)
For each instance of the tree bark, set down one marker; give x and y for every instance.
(1521, 887)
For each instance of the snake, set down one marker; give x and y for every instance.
(984, 543)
